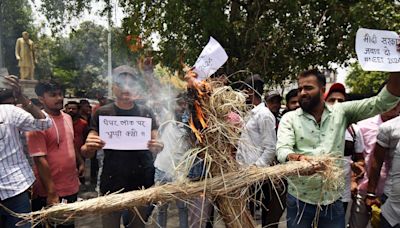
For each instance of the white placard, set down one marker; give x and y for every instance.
(125, 132)
(376, 50)
(210, 60)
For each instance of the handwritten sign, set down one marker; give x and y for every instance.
(125, 132)
(376, 50)
(210, 60)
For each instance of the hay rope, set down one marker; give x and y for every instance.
(218, 186)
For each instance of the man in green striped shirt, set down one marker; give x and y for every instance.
(318, 129)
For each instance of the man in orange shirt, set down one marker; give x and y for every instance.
(54, 154)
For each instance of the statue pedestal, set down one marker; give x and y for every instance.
(28, 87)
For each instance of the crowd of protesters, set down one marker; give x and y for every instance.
(363, 134)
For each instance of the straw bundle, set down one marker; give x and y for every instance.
(219, 141)
(220, 186)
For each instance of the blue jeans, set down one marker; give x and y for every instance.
(18, 204)
(301, 214)
(162, 177)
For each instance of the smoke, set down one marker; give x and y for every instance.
(153, 89)
(145, 87)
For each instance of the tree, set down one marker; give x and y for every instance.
(15, 17)
(78, 61)
(82, 62)
(364, 82)
(276, 39)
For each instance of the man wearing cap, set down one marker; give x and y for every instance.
(257, 147)
(354, 143)
(273, 100)
(317, 129)
(124, 170)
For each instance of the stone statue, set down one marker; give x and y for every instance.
(25, 54)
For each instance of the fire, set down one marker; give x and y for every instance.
(195, 131)
(202, 89)
(200, 114)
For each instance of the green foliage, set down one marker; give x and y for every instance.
(15, 17)
(364, 82)
(59, 12)
(45, 47)
(276, 39)
(78, 61)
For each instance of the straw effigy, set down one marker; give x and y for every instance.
(225, 183)
(216, 187)
(219, 139)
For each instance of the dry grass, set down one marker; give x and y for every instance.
(233, 182)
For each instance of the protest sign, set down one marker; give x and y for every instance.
(125, 132)
(210, 60)
(376, 50)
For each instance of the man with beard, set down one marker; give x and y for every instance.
(85, 110)
(80, 125)
(81, 129)
(318, 129)
(257, 147)
(292, 101)
(54, 154)
(125, 170)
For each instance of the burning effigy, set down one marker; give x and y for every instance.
(216, 114)
(215, 121)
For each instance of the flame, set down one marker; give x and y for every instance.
(202, 88)
(199, 114)
(195, 131)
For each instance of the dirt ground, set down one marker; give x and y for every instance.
(173, 221)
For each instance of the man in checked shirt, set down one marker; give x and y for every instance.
(16, 175)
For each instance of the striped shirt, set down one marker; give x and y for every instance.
(15, 172)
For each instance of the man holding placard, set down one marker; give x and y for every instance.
(127, 132)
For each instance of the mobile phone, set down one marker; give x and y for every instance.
(3, 72)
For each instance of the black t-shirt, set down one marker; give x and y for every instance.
(128, 170)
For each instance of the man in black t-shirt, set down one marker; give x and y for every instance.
(124, 169)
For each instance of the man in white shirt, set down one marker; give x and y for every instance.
(354, 144)
(387, 144)
(16, 173)
(257, 147)
(168, 163)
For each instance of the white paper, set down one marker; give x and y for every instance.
(125, 132)
(210, 60)
(376, 50)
